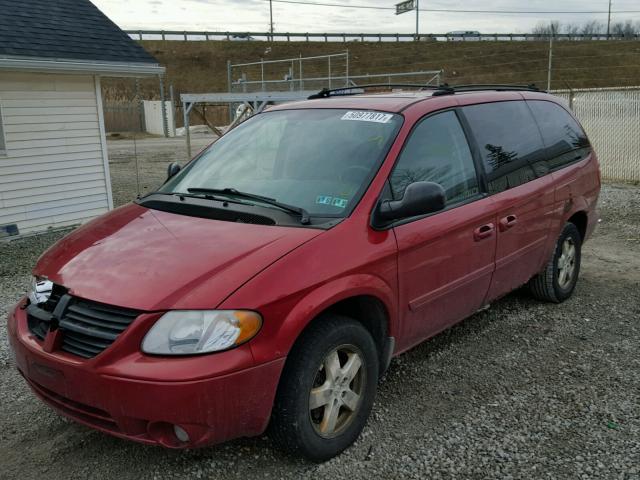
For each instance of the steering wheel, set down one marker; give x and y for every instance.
(354, 174)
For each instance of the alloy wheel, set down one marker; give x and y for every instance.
(337, 390)
(567, 263)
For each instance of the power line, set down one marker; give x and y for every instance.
(448, 10)
(321, 4)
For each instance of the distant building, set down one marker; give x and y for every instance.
(54, 169)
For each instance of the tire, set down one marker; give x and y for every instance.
(297, 428)
(553, 284)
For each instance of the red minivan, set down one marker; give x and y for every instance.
(270, 281)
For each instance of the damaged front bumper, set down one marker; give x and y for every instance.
(209, 398)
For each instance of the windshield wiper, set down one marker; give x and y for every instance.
(186, 195)
(304, 215)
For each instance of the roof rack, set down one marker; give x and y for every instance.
(446, 89)
(326, 93)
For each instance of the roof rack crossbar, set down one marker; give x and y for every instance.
(446, 89)
(326, 93)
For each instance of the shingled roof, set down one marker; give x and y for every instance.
(65, 29)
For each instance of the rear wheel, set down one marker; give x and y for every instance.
(558, 280)
(327, 389)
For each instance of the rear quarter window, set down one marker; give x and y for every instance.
(564, 139)
(509, 142)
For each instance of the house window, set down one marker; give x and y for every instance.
(3, 145)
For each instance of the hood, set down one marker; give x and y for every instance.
(151, 260)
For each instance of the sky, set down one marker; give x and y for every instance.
(253, 15)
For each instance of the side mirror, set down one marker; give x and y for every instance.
(172, 169)
(420, 198)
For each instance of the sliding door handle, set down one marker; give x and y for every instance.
(483, 232)
(507, 222)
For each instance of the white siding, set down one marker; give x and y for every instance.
(54, 172)
(2, 150)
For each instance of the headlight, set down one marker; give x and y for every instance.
(189, 332)
(40, 290)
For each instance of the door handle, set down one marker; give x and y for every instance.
(483, 232)
(507, 222)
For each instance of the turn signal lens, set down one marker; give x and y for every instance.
(249, 324)
(190, 332)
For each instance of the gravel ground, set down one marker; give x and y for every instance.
(154, 155)
(522, 390)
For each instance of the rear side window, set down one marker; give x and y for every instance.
(437, 151)
(565, 140)
(509, 142)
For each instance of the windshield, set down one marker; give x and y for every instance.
(320, 160)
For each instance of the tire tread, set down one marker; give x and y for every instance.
(542, 285)
(283, 428)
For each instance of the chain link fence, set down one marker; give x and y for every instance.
(302, 73)
(611, 117)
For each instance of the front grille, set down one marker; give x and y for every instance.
(56, 294)
(38, 327)
(87, 327)
(39, 320)
(90, 327)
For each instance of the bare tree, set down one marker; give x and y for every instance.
(592, 27)
(572, 29)
(576, 30)
(627, 28)
(547, 28)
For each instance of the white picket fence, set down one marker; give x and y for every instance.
(611, 117)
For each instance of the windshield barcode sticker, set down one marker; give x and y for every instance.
(376, 117)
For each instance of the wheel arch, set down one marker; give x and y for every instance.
(365, 298)
(369, 311)
(580, 219)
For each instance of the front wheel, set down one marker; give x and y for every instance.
(327, 389)
(558, 280)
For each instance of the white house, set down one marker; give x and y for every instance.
(54, 169)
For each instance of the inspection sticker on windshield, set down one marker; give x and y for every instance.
(324, 200)
(335, 201)
(376, 117)
(339, 202)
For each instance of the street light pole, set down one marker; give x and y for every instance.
(417, 20)
(271, 18)
(406, 6)
(609, 21)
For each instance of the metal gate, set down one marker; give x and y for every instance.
(611, 117)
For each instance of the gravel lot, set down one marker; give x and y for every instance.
(154, 155)
(522, 390)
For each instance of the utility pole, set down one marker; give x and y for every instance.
(609, 21)
(417, 20)
(271, 18)
(550, 57)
